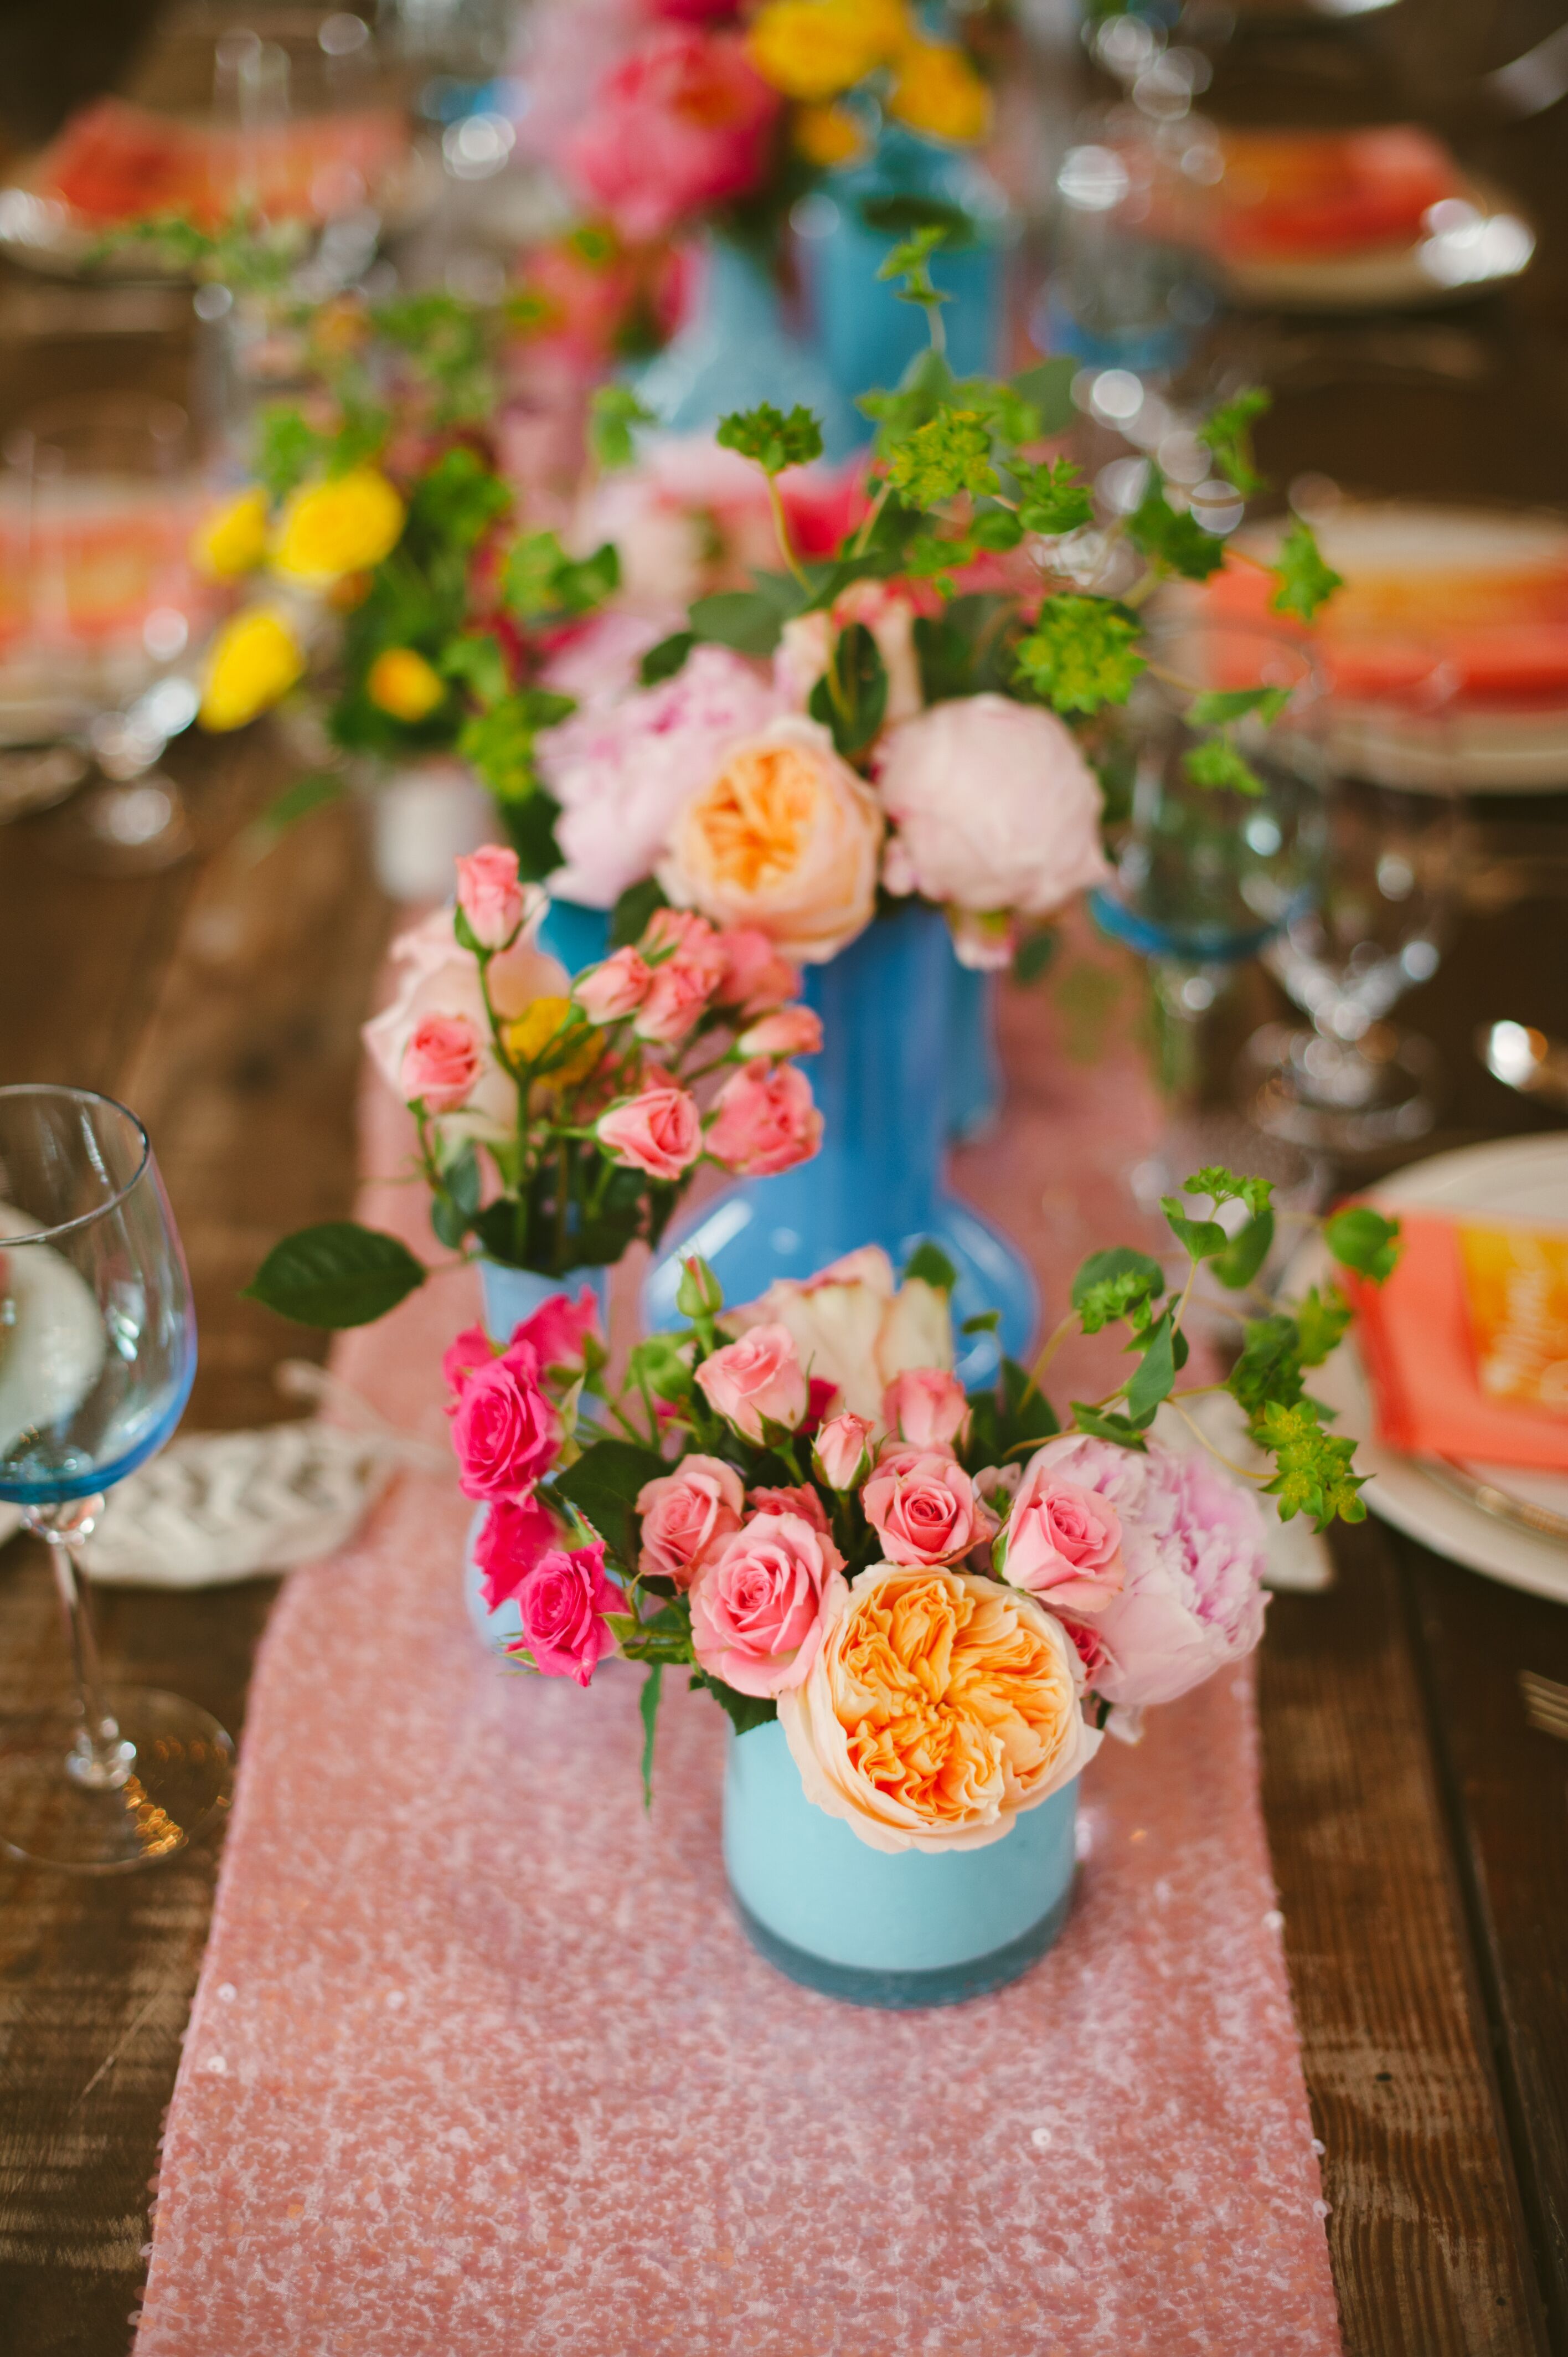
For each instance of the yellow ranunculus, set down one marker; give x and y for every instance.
(343, 525)
(827, 136)
(254, 661)
(403, 684)
(811, 49)
(938, 91)
(233, 539)
(528, 1035)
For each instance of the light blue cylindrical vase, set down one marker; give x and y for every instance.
(881, 1082)
(893, 1929)
(577, 935)
(973, 1059)
(512, 1295)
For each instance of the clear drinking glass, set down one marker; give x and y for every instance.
(97, 1353)
(116, 610)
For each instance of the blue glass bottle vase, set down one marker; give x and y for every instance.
(895, 1929)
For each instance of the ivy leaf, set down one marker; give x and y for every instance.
(1053, 499)
(1173, 537)
(613, 411)
(336, 1275)
(663, 661)
(1081, 654)
(1304, 581)
(932, 1266)
(743, 1711)
(1228, 432)
(855, 714)
(949, 454)
(603, 1485)
(1217, 766)
(1362, 1239)
(648, 1710)
(1322, 1319)
(1218, 705)
(774, 440)
(1108, 1285)
(1204, 1239)
(1153, 1375)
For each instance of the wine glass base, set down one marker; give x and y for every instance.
(1339, 1099)
(130, 829)
(180, 1779)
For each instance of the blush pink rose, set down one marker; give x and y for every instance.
(677, 1000)
(442, 1062)
(757, 1609)
(1064, 1542)
(608, 993)
(759, 1377)
(563, 1602)
(766, 1120)
(798, 1497)
(682, 123)
(504, 1429)
(790, 1031)
(926, 1407)
(842, 1453)
(756, 976)
(559, 1331)
(435, 975)
(659, 1132)
(687, 1516)
(514, 1536)
(923, 1508)
(490, 895)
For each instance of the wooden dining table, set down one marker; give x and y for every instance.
(1418, 1823)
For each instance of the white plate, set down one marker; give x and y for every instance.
(1524, 1176)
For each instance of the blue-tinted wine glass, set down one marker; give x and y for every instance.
(97, 1354)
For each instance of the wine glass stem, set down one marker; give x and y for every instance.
(101, 1757)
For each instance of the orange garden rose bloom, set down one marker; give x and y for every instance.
(342, 525)
(939, 1704)
(402, 683)
(786, 838)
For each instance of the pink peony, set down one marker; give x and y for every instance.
(758, 1378)
(608, 993)
(559, 1331)
(563, 1602)
(797, 1498)
(757, 1610)
(687, 1516)
(683, 122)
(436, 976)
(995, 808)
(1194, 1551)
(756, 977)
(490, 895)
(623, 772)
(659, 1132)
(442, 1062)
(923, 1508)
(926, 1407)
(1064, 1543)
(765, 1121)
(504, 1429)
(790, 1031)
(842, 1453)
(513, 1536)
(466, 1351)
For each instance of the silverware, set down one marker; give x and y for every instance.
(1523, 1515)
(1525, 1060)
(1545, 1703)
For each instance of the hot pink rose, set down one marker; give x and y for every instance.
(608, 993)
(756, 977)
(470, 1349)
(659, 1132)
(687, 1516)
(765, 1122)
(677, 1001)
(504, 1429)
(563, 1602)
(1064, 1542)
(513, 1536)
(923, 1508)
(925, 1407)
(799, 1498)
(490, 895)
(791, 1031)
(683, 122)
(759, 1377)
(442, 1062)
(843, 1451)
(757, 1610)
(558, 1331)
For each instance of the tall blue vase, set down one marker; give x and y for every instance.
(881, 1084)
(973, 1058)
(579, 936)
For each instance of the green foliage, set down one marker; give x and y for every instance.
(1217, 706)
(457, 502)
(1312, 1471)
(1047, 391)
(613, 411)
(312, 793)
(1304, 581)
(446, 341)
(1239, 1264)
(1228, 432)
(285, 449)
(539, 579)
(775, 441)
(1269, 1368)
(648, 1710)
(456, 1201)
(1155, 1374)
(851, 696)
(335, 1275)
(1115, 1283)
(1081, 654)
(1362, 1239)
(1053, 498)
(931, 1265)
(1171, 538)
(500, 741)
(663, 661)
(530, 830)
(629, 919)
(1204, 1239)
(1222, 1185)
(1218, 767)
(479, 662)
(603, 1487)
(1033, 956)
(699, 1294)
(949, 454)
(1008, 1421)
(911, 260)
(1321, 1320)
(662, 1362)
(743, 1711)
(1106, 1423)
(750, 620)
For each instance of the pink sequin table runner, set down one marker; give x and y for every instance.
(481, 2063)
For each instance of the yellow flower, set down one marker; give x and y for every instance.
(530, 1035)
(233, 538)
(339, 526)
(254, 660)
(403, 684)
(827, 136)
(811, 49)
(938, 91)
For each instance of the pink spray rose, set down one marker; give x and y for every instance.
(677, 1000)
(435, 975)
(757, 1609)
(766, 1121)
(682, 123)
(608, 993)
(442, 1062)
(563, 1602)
(659, 1132)
(790, 1031)
(504, 1429)
(1194, 1551)
(926, 1407)
(923, 1507)
(842, 1453)
(1064, 1542)
(687, 1516)
(759, 1377)
(466, 1350)
(513, 1536)
(797, 1498)
(756, 977)
(558, 1331)
(490, 895)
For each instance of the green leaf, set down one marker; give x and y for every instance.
(1048, 389)
(1111, 1284)
(1172, 538)
(630, 914)
(613, 411)
(648, 1708)
(336, 1275)
(500, 742)
(750, 620)
(662, 1362)
(1362, 1239)
(988, 1321)
(1217, 766)
(855, 714)
(538, 578)
(479, 662)
(1053, 499)
(1314, 1472)
(529, 826)
(1217, 705)
(1105, 1424)
(1224, 1186)
(1153, 1375)
(1008, 1421)
(667, 657)
(776, 441)
(1304, 581)
(285, 450)
(932, 1266)
(1269, 1368)
(1239, 1264)
(296, 802)
(1322, 1318)
(1202, 1238)
(1228, 432)
(997, 530)
(743, 1711)
(949, 454)
(458, 501)
(1081, 654)
(915, 218)
(1033, 955)
(603, 1485)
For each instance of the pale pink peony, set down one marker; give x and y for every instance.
(994, 808)
(756, 978)
(514, 1536)
(505, 1429)
(687, 1516)
(436, 976)
(622, 773)
(756, 1378)
(659, 1132)
(922, 1506)
(490, 895)
(685, 121)
(789, 1032)
(842, 1452)
(562, 1601)
(601, 660)
(926, 1407)
(1064, 1542)
(794, 1498)
(610, 991)
(766, 1120)
(757, 1609)
(560, 1329)
(442, 1062)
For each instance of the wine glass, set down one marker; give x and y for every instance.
(117, 608)
(97, 1354)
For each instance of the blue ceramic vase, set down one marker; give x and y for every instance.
(579, 936)
(893, 1929)
(880, 1082)
(973, 1059)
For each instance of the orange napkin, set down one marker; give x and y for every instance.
(1418, 1337)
